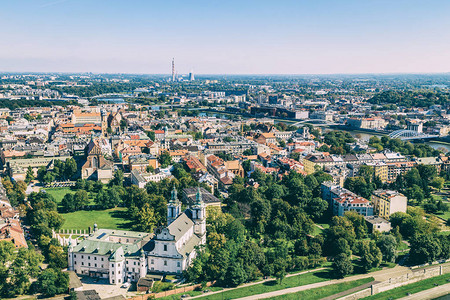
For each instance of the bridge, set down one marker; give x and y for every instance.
(112, 95)
(404, 134)
(315, 122)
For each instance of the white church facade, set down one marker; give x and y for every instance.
(123, 256)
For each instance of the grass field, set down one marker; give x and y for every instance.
(109, 219)
(58, 193)
(322, 292)
(272, 285)
(192, 293)
(402, 246)
(412, 288)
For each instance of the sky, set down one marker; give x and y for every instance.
(225, 37)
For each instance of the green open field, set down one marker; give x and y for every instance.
(110, 219)
(270, 286)
(322, 292)
(58, 193)
(412, 288)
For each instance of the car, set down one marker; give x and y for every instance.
(125, 285)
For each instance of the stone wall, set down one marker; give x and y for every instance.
(417, 275)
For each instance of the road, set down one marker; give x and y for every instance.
(431, 293)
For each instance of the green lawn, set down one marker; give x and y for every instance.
(402, 246)
(322, 292)
(272, 285)
(58, 193)
(412, 288)
(192, 293)
(110, 219)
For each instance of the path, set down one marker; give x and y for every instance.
(351, 291)
(381, 275)
(430, 293)
(253, 283)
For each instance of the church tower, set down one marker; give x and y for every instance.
(104, 117)
(173, 207)
(199, 216)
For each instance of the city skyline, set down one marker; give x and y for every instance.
(292, 37)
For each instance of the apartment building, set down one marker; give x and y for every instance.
(387, 202)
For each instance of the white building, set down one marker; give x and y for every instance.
(125, 256)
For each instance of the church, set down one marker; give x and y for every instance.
(125, 256)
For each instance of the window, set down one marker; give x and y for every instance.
(178, 264)
(133, 270)
(95, 257)
(152, 261)
(75, 256)
(134, 263)
(112, 265)
(120, 280)
(82, 263)
(96, 265)
(113, 281)
(82, 256)
(89, 257)
(165, 247)
(89, 264)
(112, 272)
(102, 258)
(118, 272)
(74, 262)
(165, 262)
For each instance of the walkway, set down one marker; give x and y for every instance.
(351, 291)
(430, 293)
(253, 283)
(381, 275)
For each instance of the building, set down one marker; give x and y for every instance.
(96, 167)
(342, 200)
(189, 197)
(86, 118)
(141, 178)
(126, 256)
(367, 123)
(351, 202)
(380, 170)
(377, 223)
(387, 202)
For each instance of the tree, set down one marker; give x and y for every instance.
(145, 220)
(438, 183)
(108, 198)
(52, 282)
(117, 179)
(342, 265)
(151, 135)
(425, 248)
(370, 255)
(279, 269)
(358, 222)
(165, 159)
(57, 257)
(30, 175)
(235, 274)
(387, 245)
(70, 168)
(67, 203)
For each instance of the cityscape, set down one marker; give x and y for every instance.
(190, 180)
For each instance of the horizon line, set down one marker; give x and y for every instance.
(225, 74)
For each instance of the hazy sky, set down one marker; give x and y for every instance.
(217, 37)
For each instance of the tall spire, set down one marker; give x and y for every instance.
(198, 197)
(173, 69)
(174, 196)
